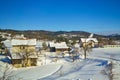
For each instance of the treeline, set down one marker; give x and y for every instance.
(51, 35)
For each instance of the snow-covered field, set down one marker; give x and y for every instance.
(93, 68)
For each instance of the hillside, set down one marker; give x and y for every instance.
(50, 35)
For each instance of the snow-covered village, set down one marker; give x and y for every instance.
(31, 59)
(59, 39)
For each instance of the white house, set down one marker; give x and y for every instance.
(20, 50)
(90, 39)
(19, 36)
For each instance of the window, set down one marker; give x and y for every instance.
(22, 47)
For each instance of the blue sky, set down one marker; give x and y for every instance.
(65, 15)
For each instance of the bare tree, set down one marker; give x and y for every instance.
(38, 52)
(87, 47)
(44, 45)
(26, 54)
(5, 71)
(74, 54)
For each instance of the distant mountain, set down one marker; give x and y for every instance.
(114, 36)
(106, 33)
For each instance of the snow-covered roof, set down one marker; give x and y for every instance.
(89, 39)
(23, 42)
(39, 44)
(51, 44)
(61, 45)
(7, 43)
(16, 56)
(58, 45)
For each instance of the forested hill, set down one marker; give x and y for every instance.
(42, 34)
